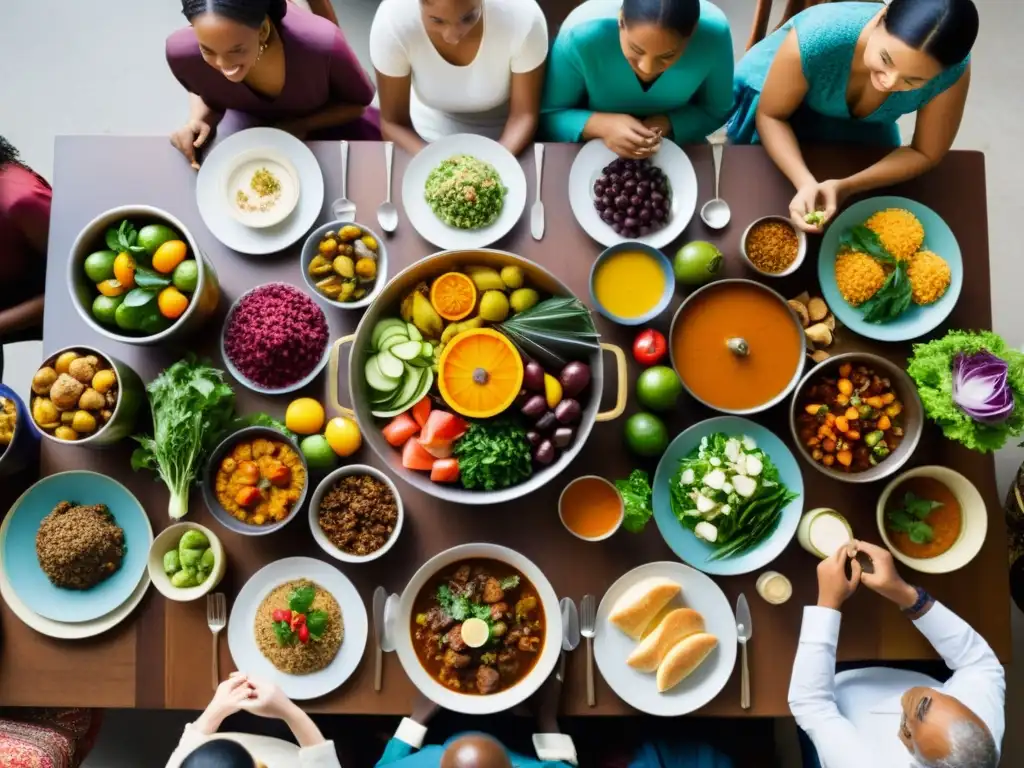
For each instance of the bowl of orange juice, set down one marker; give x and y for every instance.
(591, 508)
(631, 283)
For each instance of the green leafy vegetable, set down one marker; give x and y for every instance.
(553, 331)
(509, 582)
(493, 454)
(932, 369)
(149, 278)
(909, 517)
(316, 622)
(460, 607)
(860, 238)
(139, 297)
(895, 295)
(637, 498)
(301, 598)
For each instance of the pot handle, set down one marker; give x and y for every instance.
(620, 396)
(332, 375)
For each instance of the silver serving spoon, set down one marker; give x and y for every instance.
(343, 208)
(715, 213)
(387, 214)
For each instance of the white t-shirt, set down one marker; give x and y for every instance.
(273, 753)
(448, 99)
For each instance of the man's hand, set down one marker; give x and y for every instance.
(885, 579)
(834, 587)
(423, 710)
(229, 698)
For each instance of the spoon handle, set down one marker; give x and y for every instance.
(716, 157)
(538, 150)
(344, 169)
(389, 159)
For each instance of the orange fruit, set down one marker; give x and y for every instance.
(453, 295)
(172, 302)
(169, 255)
(124, 270)
(110, 288)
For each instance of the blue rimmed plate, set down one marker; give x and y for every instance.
(681, 539)
(916, 321)
(21, 565)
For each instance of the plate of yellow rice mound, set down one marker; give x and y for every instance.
(890, 269)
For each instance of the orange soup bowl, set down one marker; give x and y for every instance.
(737, 346)
(967, 541)
(591, 508)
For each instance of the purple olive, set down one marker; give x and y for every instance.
(534, 438)
(608, 215)
(636, 201)
(534, 407)
(617, 228)
(544, 453)
(574, 378)
(546, 422)
(631, 222)
(630, 233)
(533, 376)
(599, 190)
(568, 411)
(643, 187)
(645, 231)
(659, 214)
(657, 197)
(629, 184)
(645, 216)
(631, 212)
(627, 175)
(622, 202)
(608, 201)
(614, 178)
(619, 216)
(562, 438)
(648, 205)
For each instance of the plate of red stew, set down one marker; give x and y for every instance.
(478, 629)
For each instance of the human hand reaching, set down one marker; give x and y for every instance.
(267, 700)
(229, 698)
(822, 196)
(191, 137)
(834, 586)
(883, 577)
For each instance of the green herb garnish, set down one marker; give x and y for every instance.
(637, 498)
(316, 622)
(509, 582)
(301, 598)
(493, 454)
(909, 516)
(124, 239)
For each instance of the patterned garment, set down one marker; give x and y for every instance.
(46, 738)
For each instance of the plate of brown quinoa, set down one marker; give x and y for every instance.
(76, 546)
(356, 514)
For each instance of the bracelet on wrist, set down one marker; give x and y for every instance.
(923, 598)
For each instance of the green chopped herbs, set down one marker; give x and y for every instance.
(637, 498)
(895, 295)
(554, 331)
(461, 607)
(909, 518)
(493, 455)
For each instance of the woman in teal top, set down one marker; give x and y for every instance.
(844, 73)
(629, 72)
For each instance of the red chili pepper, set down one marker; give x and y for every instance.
(303, 633)
(650, 347)
(298, 620)
(283, 614)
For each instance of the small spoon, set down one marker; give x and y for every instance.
(343, 208)
(387, 214)
(715, 213)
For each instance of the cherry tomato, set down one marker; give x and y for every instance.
(298, 620)
(303, 634)
(650, 347)
(283, 614)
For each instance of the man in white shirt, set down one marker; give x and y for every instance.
(888, 718)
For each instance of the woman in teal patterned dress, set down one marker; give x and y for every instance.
(844, 73)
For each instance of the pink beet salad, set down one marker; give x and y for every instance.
(276, 336)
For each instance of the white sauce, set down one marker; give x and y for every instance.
(266, 211)
(774, 587)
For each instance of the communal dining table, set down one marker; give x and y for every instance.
(160, 656)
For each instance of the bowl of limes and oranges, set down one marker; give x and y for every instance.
(136, 275)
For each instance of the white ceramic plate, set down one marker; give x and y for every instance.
(238, 178)
(638, 689)
(62, 630)
(242, 642)
(588, 167)
(213, 202)
(423, 218)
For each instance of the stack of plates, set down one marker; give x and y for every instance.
(64, 613)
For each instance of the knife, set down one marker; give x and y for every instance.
(744, 631)
(537, 212)
(570, 632)
(380, 597)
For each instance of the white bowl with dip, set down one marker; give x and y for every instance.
(823, 531)
(973, 521)
(256, 211)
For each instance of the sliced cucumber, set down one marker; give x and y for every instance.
(390, 365)
(410, 385)
(382, 398)
(407, 351)
(390, 341)
(427, 351)
(378, 330)
(425, 384)
(394, 331)
(414, 332)
(377, 379)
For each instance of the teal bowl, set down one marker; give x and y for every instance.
(666, 269)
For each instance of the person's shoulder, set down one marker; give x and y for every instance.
(21, 186)
(312, 32)
(713, 24)
(401, 17)
(589, 35)
(835, 17)
(182, 48)
(520, 15)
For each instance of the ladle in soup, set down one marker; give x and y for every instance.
(738, 346)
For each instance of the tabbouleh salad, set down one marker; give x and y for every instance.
(465, 192)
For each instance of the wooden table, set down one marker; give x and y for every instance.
(160, 657)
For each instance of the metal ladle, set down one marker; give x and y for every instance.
(715, 213)
(738, 346)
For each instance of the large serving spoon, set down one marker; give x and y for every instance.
(344, 209)
(387, 214)
(715, 213)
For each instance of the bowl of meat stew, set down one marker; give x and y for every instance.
(478, 629)
(856, 417)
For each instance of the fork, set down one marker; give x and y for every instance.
(588, 623)
(217, 619)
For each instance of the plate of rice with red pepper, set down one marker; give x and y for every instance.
(300, 623)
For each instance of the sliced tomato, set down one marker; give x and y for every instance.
(442, 426)
(445, 471)
(414, 457)
(421, 411)
(401, 428)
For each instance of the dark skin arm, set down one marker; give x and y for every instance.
(395, 121)
(323, 9)
(524, 108)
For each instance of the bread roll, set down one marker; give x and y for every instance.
(683, 659)
(676, 625)
(641, 603)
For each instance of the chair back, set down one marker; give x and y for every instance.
(763, 13)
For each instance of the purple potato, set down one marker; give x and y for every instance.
(533, 376)
(544, 453)
(563, 437)
(574, 378)
(534, 407)
(607, 215)
(619, 216)
(546, 422)
(568, 411)
(534, 438)
(645, 215)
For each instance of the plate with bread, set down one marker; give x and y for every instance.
(666, 639)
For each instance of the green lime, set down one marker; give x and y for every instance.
(646, 434)
(186, 276)
(318, 452)
(99, 266)
(658, 388)
(129, 318)
(697, 263)
(153, 322)
(152, 236)
(104, 308)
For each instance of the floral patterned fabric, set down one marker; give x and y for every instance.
(46, 738)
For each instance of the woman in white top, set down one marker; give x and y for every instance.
(459, 66)
(202, 747)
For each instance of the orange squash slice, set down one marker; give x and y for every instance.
(453, 295)
(480, 373)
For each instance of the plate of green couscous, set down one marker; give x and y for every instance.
(463, 192)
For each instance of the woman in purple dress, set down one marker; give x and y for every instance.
(267, 62)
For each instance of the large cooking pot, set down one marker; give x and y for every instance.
(387, 305)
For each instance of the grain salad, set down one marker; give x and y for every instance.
(292, 650)
(79, 546)
(772, 246)
(465, 192)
